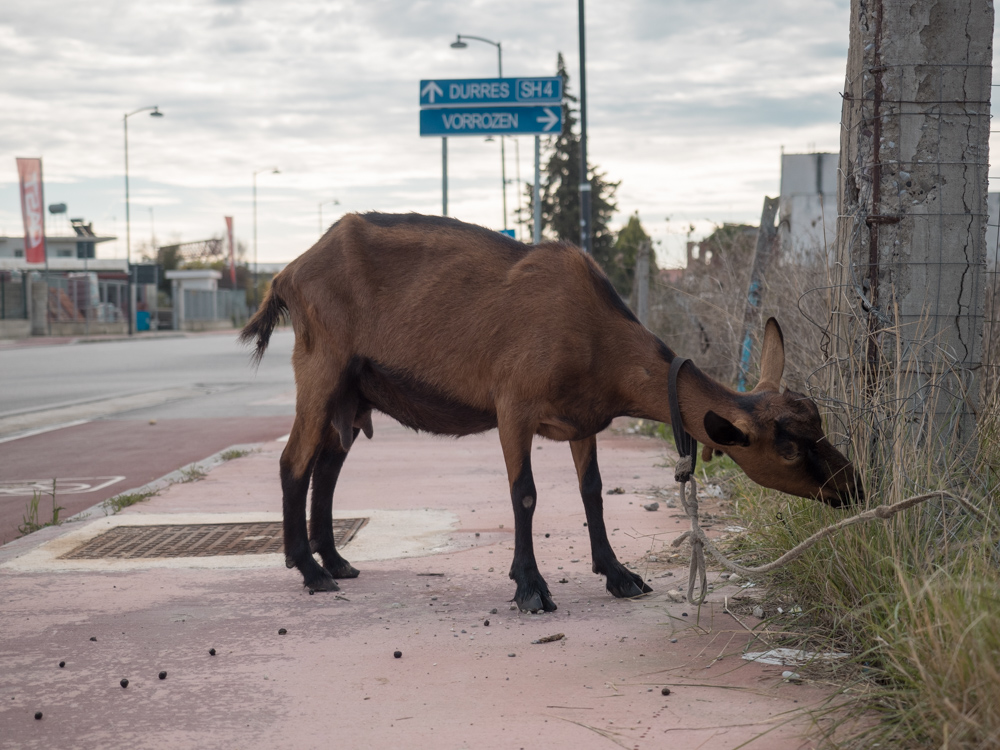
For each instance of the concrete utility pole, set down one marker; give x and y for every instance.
(911, 232)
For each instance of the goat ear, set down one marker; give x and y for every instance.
(772, 357)
(723, 432)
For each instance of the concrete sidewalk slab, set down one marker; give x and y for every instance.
(469, 675)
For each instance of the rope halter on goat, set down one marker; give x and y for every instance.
(687, 449)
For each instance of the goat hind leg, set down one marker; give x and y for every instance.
(297, 462)
(329, 460)
(621, 582)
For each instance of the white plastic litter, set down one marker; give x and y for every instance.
(791, 657)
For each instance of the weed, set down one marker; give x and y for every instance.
(235, 453)
(192, 474)
(30, 521)
(117, 503)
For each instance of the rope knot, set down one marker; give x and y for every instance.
(683, 469)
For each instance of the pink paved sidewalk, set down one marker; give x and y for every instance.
(332, 679)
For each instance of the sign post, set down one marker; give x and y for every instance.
(490, 106)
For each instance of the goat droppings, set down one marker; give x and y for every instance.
(163, 675)
(38, 715)
(124, 683)
(397, 654)
(62, 664)
(281, 631)
(211, 652)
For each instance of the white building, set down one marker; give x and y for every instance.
(64, 240)
(807, 207)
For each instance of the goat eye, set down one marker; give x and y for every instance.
(789, 451)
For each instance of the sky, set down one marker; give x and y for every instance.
(689, 105)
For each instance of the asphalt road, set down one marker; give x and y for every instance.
(102, 418)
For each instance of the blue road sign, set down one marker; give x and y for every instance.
(455, 121)
(466, 92)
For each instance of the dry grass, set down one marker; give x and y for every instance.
(915, 599)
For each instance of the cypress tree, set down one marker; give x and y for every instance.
(560, 189)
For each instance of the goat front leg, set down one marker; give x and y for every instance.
(532, 593)
(622, 583)
(326, 470)
(297, 461)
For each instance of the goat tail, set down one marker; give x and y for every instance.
(259, 328)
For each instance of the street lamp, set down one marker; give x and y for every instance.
(272, 170)
(459, 44)
(128, 227)
(335, 202)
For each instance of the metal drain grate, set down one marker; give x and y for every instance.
(197, 540)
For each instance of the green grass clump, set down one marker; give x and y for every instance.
(192, 474)
(234, 453)
(119, 502)
(915, 599)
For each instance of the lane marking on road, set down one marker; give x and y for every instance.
(63, 485)
(41, 430)
(18, 425)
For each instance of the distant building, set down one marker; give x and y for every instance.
(807, 207)
(81, 243)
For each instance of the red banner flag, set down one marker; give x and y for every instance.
(232, 251)
(32, 209)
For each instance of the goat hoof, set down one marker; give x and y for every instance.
(536, 601)
(627, 586)
(343, 570)
(322, 583)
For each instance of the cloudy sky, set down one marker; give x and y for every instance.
(689, 105)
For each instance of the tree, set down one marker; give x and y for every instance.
(620, 267)
(560, 189)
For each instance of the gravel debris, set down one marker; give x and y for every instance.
(651, 506)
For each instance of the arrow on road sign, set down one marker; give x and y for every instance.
(430, 90)
(550, 119)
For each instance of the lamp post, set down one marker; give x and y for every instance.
(459, 44)
(272, 170)
(153, 112)
(586, 200)
(335, 202)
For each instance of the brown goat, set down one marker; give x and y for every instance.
(455, 329)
